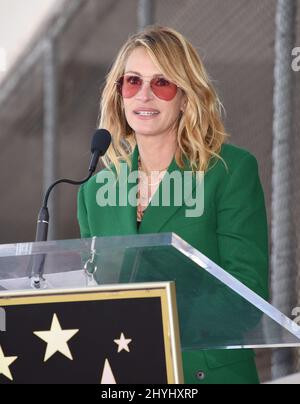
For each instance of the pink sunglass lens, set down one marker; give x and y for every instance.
(131, 85)
(163, 89)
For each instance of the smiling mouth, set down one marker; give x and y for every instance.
(145, 113)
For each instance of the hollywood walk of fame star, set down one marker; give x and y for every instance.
(56, 339)
(108, 376)
(123, 343)
(5, 363)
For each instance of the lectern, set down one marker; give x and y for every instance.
(105, 310)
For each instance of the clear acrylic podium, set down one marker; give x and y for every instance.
(215, 310)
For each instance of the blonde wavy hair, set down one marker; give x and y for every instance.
(200, 131)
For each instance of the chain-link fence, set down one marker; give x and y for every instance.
(236, 41)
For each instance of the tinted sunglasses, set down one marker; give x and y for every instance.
(129, 85)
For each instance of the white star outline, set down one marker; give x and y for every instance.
(56, 339)
(122, 343)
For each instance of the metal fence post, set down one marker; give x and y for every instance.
(145, 14)
(50, 127)
(283, 248)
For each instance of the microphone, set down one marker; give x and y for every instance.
(100, 144)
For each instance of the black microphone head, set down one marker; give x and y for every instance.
(101, 141)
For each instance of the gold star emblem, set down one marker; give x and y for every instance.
(56, 339)
(5, 362)
(122, 343)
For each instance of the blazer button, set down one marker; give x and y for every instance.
(200, 375)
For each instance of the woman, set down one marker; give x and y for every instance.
(164, 116)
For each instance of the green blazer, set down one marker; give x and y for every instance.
(232, 232)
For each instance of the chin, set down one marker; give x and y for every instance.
(145, 133)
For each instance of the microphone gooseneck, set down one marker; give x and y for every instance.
(100, 143)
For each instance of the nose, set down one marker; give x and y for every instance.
(145, 92)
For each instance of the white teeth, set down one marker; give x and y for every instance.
(146, 113)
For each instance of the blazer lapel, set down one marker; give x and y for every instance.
(156, 214)
(127, 215)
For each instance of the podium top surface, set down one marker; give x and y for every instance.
(215, 309)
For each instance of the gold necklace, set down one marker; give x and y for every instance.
(149, 174)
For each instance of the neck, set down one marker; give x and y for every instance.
(156, 152)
